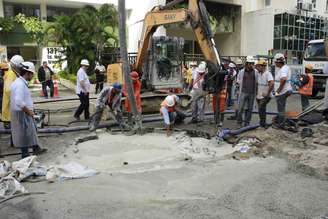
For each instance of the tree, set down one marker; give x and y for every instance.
(33, 26)
(85, 34)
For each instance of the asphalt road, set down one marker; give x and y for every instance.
(168, 185)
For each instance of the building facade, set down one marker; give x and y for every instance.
(242, 27)
(250, 27)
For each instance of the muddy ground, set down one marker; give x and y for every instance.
(152, 176)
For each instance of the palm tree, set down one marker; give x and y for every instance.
(86, 33)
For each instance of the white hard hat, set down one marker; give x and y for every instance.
(250, 59)
(201, 67)
(193, 64)
(231, 65)
(85, 62)
(204, 63)
(239, 62)
(28, 66)
(170, 100)
(279, 57)
(16, 60)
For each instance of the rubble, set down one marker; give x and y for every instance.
(308, 155)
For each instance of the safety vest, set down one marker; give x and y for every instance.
(222, 96)
(170, 109)
(307, 88)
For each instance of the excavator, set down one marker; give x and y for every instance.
(159, 59)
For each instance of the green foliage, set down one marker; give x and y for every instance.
(67, 76)
(7, 24)
(85, 34)
(33, 26)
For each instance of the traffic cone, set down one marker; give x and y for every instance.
(41, 93)
(56, 93)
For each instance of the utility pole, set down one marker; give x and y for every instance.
(126, 67)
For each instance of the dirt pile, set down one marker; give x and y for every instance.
(307, 155)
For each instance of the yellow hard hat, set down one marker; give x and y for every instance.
(309, 66)
(261, 62)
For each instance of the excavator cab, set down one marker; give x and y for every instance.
(163, 66)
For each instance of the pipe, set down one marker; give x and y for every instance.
(110, 125)
(227, 132)
(64, 130)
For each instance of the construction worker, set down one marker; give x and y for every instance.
(9, 78)
(3, 68)
(170, 112)
(265, 85)
(247, 80)
(232, 74)
(282, 87)
(23, 127)
(193, 70)
(137, 94)
(110, 96)
(306, 86)
(198, 94)
(45, 75)
(100, 77)
(82, 90)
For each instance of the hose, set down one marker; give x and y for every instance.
(111, 125)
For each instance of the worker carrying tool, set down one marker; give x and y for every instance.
(110, 96)
(306, 86)
(171, 113)
(137, 94)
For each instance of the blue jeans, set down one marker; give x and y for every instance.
(281, 107)
(246, 103)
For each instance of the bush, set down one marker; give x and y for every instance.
(67, 76)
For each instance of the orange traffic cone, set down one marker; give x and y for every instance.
(41, 93)
(56, 93)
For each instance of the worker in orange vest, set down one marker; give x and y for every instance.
(306, 86)
(171, 113)
(137, 94)
(222, 101)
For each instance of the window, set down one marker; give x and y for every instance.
(327, 5)
(267, 3)
(315, 50)
(55, 11)
(11, 10)
(314, 3)
(292, 33)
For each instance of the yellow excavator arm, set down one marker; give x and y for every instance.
(194, 14)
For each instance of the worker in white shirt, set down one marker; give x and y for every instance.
(265, 84)
(198, 94)
(23, 126)
(282, 87)
(82, 90)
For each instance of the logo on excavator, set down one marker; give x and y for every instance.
(169, 17)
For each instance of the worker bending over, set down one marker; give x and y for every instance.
(23, 127)
(110, 96)
(306, 86)
(171, 113)
(137, 95)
